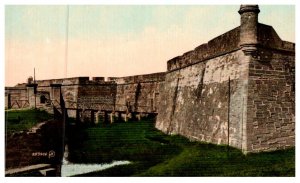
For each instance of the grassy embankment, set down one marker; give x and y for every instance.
(153, 153)
(20, 120)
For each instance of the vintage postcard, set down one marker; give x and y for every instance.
(150, 90)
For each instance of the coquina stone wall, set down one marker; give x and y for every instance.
(237, 90)
(138, 93)
(202, 100)
(132, 94)
(271, 103)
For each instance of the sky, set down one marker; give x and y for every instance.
(115, 40)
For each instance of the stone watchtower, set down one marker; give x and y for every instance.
(248, 27)
(237, 89)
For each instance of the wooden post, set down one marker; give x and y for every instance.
(105, 117)
(35, 88)
(119, 116)
(126, 119)
(242, 126)
(112, 117)
(8, 100)
(228, 120)
(92, 117)
(77, 116)
(97, 120)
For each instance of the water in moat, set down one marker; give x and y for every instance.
(70, 169)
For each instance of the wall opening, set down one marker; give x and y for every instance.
(42, 99)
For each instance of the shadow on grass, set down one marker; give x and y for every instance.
(153, 153)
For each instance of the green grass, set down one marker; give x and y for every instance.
(153, 153)
(20, 120)
(121, 141)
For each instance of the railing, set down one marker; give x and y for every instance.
(19, 104)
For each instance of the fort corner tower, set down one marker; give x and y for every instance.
(248, 27)
(237, 89)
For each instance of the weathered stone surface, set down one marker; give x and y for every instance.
(255, 110)
(198, 101)
(271, 94)
(222, 44)
(16, 97)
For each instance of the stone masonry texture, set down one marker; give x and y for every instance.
(237, 90)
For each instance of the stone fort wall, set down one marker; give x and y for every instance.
(206, 100)
(138, 93)
(237, 90)
(271, 98)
